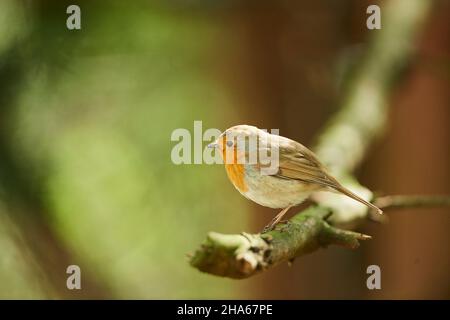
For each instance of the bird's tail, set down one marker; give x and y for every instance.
(350, 194)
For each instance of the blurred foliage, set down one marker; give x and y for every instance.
(88, 124)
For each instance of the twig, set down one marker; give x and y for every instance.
(416, 201)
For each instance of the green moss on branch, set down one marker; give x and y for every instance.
(244, 255)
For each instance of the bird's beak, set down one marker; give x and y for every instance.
(213, 145)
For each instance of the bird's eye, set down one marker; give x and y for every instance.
(229, 143)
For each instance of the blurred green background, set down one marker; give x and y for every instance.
(85, 123)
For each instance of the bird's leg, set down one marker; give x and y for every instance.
(276, 219)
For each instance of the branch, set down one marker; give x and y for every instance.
(418, 201)
(244, 255)
(341, 147)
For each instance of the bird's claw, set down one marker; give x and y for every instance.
(267, 228)
(272, 226)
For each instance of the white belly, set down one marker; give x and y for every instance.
(275, 192)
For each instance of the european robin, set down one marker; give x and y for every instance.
(297, 172)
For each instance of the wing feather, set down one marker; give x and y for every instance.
(298, 163)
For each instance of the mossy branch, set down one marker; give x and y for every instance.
(244, 255)
(341, 146)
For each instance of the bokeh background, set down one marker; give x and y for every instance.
(85, 123)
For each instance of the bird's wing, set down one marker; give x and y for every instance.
(298, 163)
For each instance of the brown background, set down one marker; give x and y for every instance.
(279, 68)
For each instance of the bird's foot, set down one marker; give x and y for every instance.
(271, 226)
(275, 220)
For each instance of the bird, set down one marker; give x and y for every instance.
(296, 175)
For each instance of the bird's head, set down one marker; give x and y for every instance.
(236, 143)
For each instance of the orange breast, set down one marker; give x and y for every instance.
(235, 170)
(235, 173)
